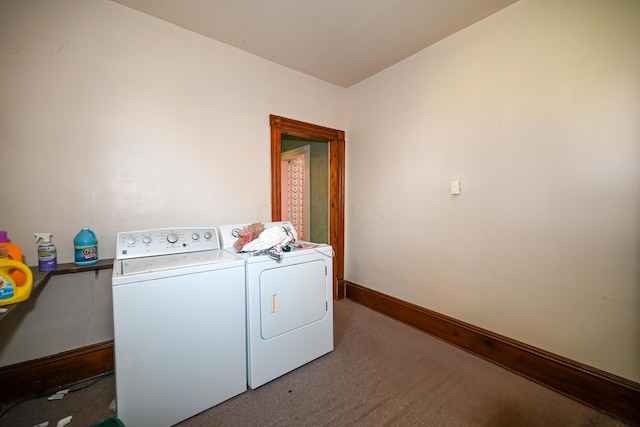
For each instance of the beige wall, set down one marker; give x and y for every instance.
(535, 110)
(115, 120)
(72, 311)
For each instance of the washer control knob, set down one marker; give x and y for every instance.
(146, 240)
(172, 237)
(195, 236)
(207, 235)
(131, 241)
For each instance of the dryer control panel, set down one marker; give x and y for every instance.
(165, 241)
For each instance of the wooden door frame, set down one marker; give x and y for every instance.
(335, 138)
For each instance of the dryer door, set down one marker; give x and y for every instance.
(292, 296)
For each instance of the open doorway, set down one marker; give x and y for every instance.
(304, 167)
(289, 129)
(295, 167)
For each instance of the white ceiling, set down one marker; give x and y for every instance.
(339, 41)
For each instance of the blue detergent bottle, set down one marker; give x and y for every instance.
(86, 247)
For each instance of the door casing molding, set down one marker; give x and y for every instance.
(335, 139)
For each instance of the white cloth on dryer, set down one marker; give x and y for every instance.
(269, 238)
(271, 242)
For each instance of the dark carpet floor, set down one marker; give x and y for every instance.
(381, 373)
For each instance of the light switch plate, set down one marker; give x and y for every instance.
(455, 186)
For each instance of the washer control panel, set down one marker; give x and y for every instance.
(165, 241)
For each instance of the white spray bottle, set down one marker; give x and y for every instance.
(46, 252)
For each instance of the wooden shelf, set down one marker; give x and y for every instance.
(41, 278)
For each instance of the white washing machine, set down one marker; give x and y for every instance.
(289, 306)
(179, 325)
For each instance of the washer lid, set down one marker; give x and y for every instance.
(173, 261)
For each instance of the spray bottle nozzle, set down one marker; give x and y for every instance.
(46, 237)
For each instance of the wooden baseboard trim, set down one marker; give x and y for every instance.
(607, 392)
(41, 376)
(341, 289)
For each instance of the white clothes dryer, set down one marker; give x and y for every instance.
(289, 306)
(179, 325)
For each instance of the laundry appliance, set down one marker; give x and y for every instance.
(289, 305)
(179, 325)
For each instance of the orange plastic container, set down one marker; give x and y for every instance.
(15, 253)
